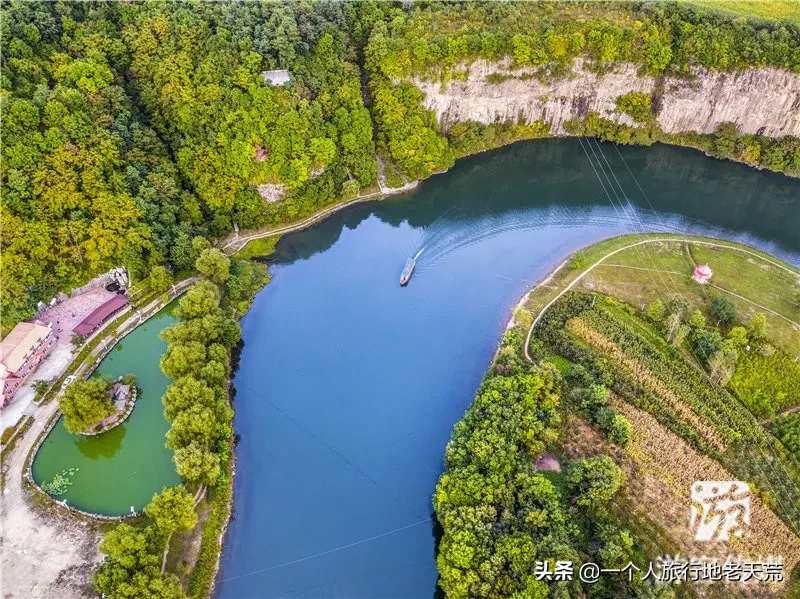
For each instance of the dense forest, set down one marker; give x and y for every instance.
(131, 128)
(509, 527)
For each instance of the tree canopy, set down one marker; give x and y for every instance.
(85, 403)
(132, 129)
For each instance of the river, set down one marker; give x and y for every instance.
(349, 385)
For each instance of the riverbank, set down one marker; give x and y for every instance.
(236, 243)
(665, 423)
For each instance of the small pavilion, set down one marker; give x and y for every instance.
(702, 274)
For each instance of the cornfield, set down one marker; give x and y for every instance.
(600, 342)
(673, 466)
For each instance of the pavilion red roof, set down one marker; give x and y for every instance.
(100, 315)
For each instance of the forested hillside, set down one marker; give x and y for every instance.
(543, 40)
(87, 184)
(129, 129)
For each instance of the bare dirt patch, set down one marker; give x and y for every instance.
(47, 551)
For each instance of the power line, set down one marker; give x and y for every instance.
(328, 552)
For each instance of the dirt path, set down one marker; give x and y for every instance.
(237, 242)
(46, 552)
(49, 552)
(653, 240)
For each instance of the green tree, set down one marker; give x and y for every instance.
(197, 464)
(182, 359)
(616, 426)
(592, 482)
(706, 344)
(131, 570)
(214, 264)
(697, 320)
(737, 338)
(758, 326)
(617, 547)
(184, 393)
(636, 105)
(723, 309)
(724, 144)
(85, 403)
(195, 424)
(201, 300)
(160, 279)
(172, 511)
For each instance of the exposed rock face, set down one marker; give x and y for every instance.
(764, 101)
(271, 192)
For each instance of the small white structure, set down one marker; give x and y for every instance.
(277, 77)
(702, 274)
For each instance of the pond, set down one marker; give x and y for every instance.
(125, 466)
(349, 385)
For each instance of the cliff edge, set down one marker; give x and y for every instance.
(764, 101)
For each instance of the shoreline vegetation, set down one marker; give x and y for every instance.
(611, 409)
(88, 115)
(200, 359)
(92, 136)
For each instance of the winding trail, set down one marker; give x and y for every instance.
(654, 240)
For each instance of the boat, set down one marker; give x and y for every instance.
(408, 270)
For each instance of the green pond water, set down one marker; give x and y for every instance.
(125, 466)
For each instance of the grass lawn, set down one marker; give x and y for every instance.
(769, 10)
(658, 270)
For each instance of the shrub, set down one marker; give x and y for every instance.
(656, 311)
(636, 105)
(723, 308)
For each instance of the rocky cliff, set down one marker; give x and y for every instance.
(764, 101)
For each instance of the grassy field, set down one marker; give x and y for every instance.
(668, 395)
(769, 10)
(755, 281)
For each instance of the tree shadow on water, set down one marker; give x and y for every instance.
(437, 531)
(105, 445)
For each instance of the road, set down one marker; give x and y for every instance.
(47, 551)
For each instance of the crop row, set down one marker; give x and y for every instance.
(609, 341)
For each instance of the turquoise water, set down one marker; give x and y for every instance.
(349, 385)
(125, 466)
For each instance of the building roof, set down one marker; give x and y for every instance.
(100, 314)
(703, 269)
(19, 342)
(277, 77)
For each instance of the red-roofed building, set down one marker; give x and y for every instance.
(20, 353)
(100, 315)
(702, 274)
